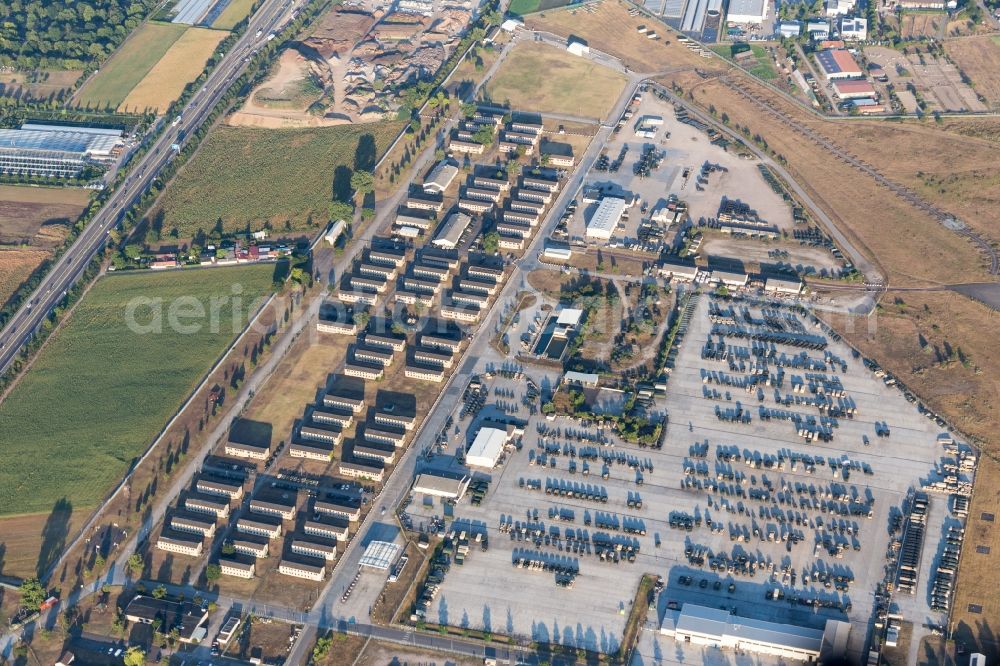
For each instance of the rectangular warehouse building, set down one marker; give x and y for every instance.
(606, 218)
(487, 448)
(747, 12)
(701, 625)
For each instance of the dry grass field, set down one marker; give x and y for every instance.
(180, 65)
(538, 77)
(16, 265)
(609, 28)
(979, 59)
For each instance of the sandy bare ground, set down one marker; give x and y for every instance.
(803, 258)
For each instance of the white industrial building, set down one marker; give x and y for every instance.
(783, 286)
(606, 218)
(452, 231)
(56, 151)
(576, 47)
(748, 12)
(700, 625)
(436, 485)
(334, 232)
(854, 29)
(487, 448)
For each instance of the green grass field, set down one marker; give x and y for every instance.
(762, 69)
(130, 63)
(235, 11)
(538, 77)
(99, 392)
(259, 176)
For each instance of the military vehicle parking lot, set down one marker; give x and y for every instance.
(785, 518)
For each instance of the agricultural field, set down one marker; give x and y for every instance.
(235, 11)
(979, 59)
(130, 63)
(538, 77)
(609, 28)
(522, 7)
(107, 382)
(33, 220)
(278, 178)
(180, 65)
(35, 215)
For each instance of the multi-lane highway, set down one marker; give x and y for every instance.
(68, 268)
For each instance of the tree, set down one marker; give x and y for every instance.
(213, 572)
(133, 251)
(135, 563)
(361, 319)
(341, 210)
(491, 242)
(483, 135)
(468, 109)
(159, 592)
(363, 182)
(32, 594)
(322, 648)
(134, 656)
(298, 275)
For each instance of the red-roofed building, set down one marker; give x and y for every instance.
(852, 89)
(838, 64)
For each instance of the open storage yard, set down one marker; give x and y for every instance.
(72, 426)
(781, 507)
(232, 177)
(538, 77)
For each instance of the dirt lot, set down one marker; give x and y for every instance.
(610, 29)
(804, 260)
(979, 59)
(380, 653)
(37, 84)
(271, 638)
(921, 24)
(34, 215)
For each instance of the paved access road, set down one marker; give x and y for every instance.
(67, 269)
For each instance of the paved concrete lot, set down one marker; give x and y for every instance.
(488, 592)
(686, 149)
